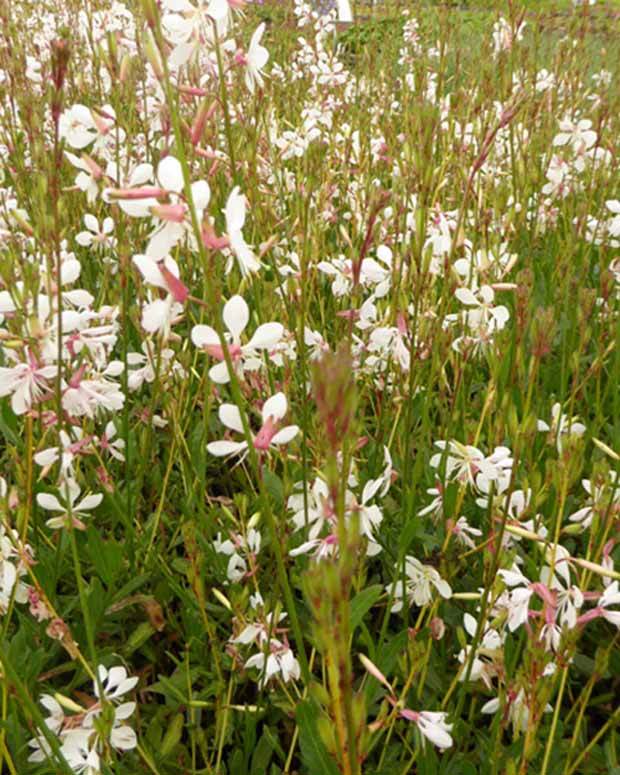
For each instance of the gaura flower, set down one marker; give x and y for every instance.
(272, 412)
(236, 316)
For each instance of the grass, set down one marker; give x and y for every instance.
(381, 535)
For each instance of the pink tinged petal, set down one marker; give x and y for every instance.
(247, 635)
(236, 316)
(374, 671)
(21, 399)
(230, 416)
(205, 336)
(126, 685)
(611, 595)
(170, 174)
(274, 407)
(181, 54)
(266, 335)
(9, 577)
(285, 435)
(177, 289)
(225, 448)
(470, 624)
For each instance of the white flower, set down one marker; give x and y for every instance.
(70, 492)
(280, 660)
(95, 235)
(82, 759)
(562, 425)
(613, 225)
(172, 219)
(66, 452)
(344, 11)
(235, 219)
(518, 711)
(579, 134)
(77, 127)
(418, 588)
(256, 59)
(114, 447)
(488, 650)
(114, 682)
(432, 724)
(520, 596)
(236, 316)
(463, 530)
(159, 314)
(272, 412)
(26, 383)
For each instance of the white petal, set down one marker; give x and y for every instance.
(266, 335)
(123, 738)
(150, 271)
(201, 193)
(285, 435)
(231, 417)
(89, 502)
(465, 296)
(235, 210)
(202, 336)
(91, 223)
(155, 315)
(170, 174)
(49, 502)
(275, 407)
(219, 373)
(236, 315)
(218, 9)
(224, 448)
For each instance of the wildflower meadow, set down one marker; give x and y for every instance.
(309, 387)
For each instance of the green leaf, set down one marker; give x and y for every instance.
(413, 527)
(262, 754)
(362, 603)
(274, 486)
(106, 556)
(314, 755)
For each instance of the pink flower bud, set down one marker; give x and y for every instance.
(172, 213)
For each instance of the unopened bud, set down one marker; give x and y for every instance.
(438, 628)
(153, 57)
(205, 112)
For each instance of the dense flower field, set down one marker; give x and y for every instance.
(310, 382)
